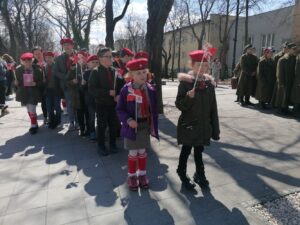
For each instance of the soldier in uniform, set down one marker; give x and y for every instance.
(199, 121)
(63, 64)
(295, 96)
(29, 79)
(102, 85)
(281, 53)
(266, 77)
(247, 81)
(285, 75)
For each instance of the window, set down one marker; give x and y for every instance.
(267, 40)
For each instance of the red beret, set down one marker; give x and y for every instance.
(137, 64)
(142, 55)
(198, 56)
(92, 58)
(51, 54)
(27, 56)
(127, 51)
(66, 40)
(84, 53)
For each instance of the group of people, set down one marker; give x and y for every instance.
(116, 91)
(273, 81)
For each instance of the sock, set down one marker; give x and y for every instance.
(132, 160)
(142, 163)
(64, 103)
(33, 119)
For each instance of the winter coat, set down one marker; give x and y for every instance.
(266, 77)
(247, 81)
(295, 96)
(199, 121)
(29, 95)
(285, 77)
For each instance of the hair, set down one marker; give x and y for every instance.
(36, 48)
(123, 53)
(8, 58)
(102, 51)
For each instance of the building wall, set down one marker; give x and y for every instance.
(263, 26)
(296, 21)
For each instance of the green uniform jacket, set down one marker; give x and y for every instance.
(99, 85)
(285, 75)
(247, 82)
(53, 82)
(199, 121)
(278, 56)
(266, 77)
(75, 72)
(29, 95)
(295, 96)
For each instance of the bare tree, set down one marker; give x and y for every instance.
(204, 9)
(111, 21)
(77, 18)
(136, 32)
(158, 13)
(166, 54)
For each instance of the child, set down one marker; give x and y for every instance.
(198, 122)
(29, 79)
(53, 92)
(137, 111)
(92, 62)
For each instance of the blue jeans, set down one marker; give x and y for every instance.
(53, 106)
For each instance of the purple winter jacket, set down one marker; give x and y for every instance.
(126, 109)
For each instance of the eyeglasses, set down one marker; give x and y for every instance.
(109, 57)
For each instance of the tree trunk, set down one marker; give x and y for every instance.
(158, 13)
(179, 50)
(246, 22)
(173, 55)
(235, 34)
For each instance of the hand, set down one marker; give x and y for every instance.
(16, 83)
(33, 84)
(75, 81)
(112, 93)
(117, 98)
(133, 124)
(83, 82)
(191, 93)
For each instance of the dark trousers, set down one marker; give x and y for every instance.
(44, 106)
(53, 106)
(90, 105)
(184, 155)
(106, 116)
(83, 114)
(2, 92)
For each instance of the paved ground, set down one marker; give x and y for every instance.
(58, 178)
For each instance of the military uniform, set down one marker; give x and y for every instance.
(266, 77)
(247, 81)
(285, 77)
(295, 96)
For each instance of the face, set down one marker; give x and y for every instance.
(292, 51)
(82, 59)
(27, 63)
(204, 68)
(139, 76)
(49, 59)
(126, 59)
(93, 64)
(106, 59)
(269, 55)
(38, 54)
(68, 48)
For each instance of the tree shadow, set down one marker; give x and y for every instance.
(251, 179)
(207, 210)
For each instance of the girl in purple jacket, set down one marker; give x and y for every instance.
(137, 111)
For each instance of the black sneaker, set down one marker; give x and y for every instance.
(102, 150)
(201, 180)
(33, 130)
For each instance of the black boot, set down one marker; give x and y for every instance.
(237, 99)
(247, 101)
(242, 101)
(181, 170)
(200, 179)
(186, 181)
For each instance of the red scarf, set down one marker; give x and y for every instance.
(145, 102)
